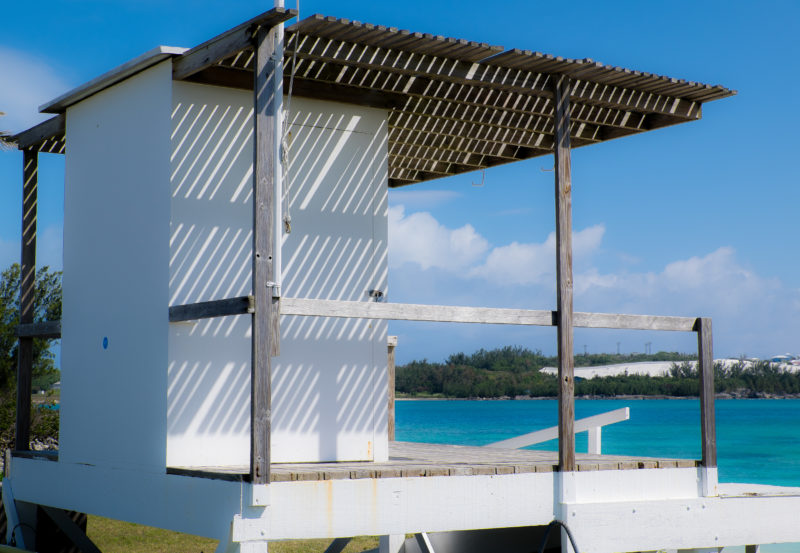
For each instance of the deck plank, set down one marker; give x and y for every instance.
(407, 459)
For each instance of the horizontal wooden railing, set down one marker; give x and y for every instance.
(431, 313)
(457, 314)
(46, 329)
(400, 312)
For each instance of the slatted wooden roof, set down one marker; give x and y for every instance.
(454, 105)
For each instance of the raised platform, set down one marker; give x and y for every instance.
(407, 459)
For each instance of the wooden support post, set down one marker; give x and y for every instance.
(27, 290)
(390, 370)
(566, 369)
(265, 318)
(706, 372)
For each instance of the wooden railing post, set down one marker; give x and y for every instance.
(705, 370)
(392, 343)
(566, 370)
(27, 289)
(708, 426)
(265, 317)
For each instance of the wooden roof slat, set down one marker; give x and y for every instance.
(492, 117)
(453, 105)
(528, 139)
(403, 177)
(388, 37)
(397, 150)
(475, 146)
(459, 94)
(400, 61)
(595, 71)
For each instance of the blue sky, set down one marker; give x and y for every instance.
(697, 219)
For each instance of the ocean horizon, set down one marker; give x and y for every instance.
(756, 438)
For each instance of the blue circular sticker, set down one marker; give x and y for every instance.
(105, 342)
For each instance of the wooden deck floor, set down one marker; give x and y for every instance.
(408, 459)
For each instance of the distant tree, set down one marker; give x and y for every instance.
(47, 307)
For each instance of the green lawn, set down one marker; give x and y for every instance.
(113, 536)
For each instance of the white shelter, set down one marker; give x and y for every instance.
(223, 376)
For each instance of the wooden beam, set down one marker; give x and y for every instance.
(505, 78)
(53, 128)
(266, 307)
(27, 293)
(227, 44)
(218, 75)
(45, 329)
(705, 352)
(209, 309)
(414, 312)
(234, 77)
(563, 192)
(480, 315)
(347, 94)
(633, 322)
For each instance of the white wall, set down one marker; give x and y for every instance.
(116, 263)
(210, 258)
(329, 384)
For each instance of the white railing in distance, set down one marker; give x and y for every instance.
(592, 425)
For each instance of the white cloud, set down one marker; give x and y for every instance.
(420, 239)
(752, 314)
(534, 263)
(28, 82)
(716, 281)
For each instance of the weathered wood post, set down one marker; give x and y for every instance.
(27, 289)
(566, 370)
(392, 343)
(708, 425)
(265, 318)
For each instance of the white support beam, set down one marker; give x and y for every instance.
(581, 425)
(13, 527)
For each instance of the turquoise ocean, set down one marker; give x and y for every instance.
(758, 440)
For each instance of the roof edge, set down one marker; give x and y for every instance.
(119, 73)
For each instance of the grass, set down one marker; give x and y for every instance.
(113, 536)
